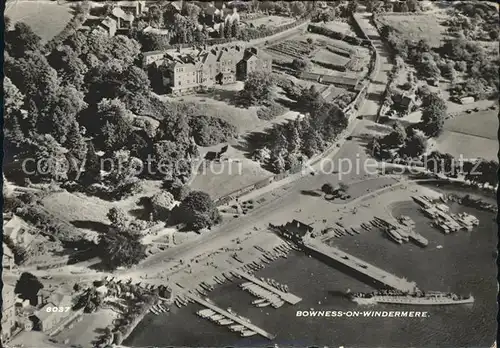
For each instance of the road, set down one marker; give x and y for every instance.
(376, 90)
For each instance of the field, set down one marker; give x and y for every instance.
(218, 179)
(482, 124)
(270, 21)
(416, 27)
(471, 135)
(46, 18)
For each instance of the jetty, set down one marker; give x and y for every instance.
(285, 296)
(232, 316)
(362, 267)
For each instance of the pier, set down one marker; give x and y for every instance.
(358, 265)
(232, 316)
(285, 296)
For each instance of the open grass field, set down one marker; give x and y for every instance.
(482, 124)
(46, 18)
(416, 27)
(218, 179)
(242, 119)
(270, 21)
(469, 146)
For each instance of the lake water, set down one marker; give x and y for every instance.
(465, 264)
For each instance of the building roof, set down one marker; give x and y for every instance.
(298, 228)
(109, 23)
(340, 80)
(309, 76)
(254, 52)
(119, 13)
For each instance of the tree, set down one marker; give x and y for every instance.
(191, 11)
(413, 5)
(27, 287)
(301, 64)
(328, 188)
(22, 39)
(396, 138)
(235, 29)
(227, 30)
(415, 145)
(121, 248)
(13, 98)
(433, 115)
(197, 211)
(92, 173)
(112, 129)
(34, 77)
(298, 8)
(118, 217)
(75, 142)
(177, 188)
(161, 204)
(90, 300)
(257, 89)
(310, 100)
(222, 30)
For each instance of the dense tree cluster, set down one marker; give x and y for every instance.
(197, 211)
(479, 172)
(290, 143)
(433, 115)
(121, 247)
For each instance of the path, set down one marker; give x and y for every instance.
(376, 89)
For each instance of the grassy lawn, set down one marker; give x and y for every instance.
(482, 124)
(469, 146)
(220, 179)
(270, 21)
(416, 27)
(46, 18)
